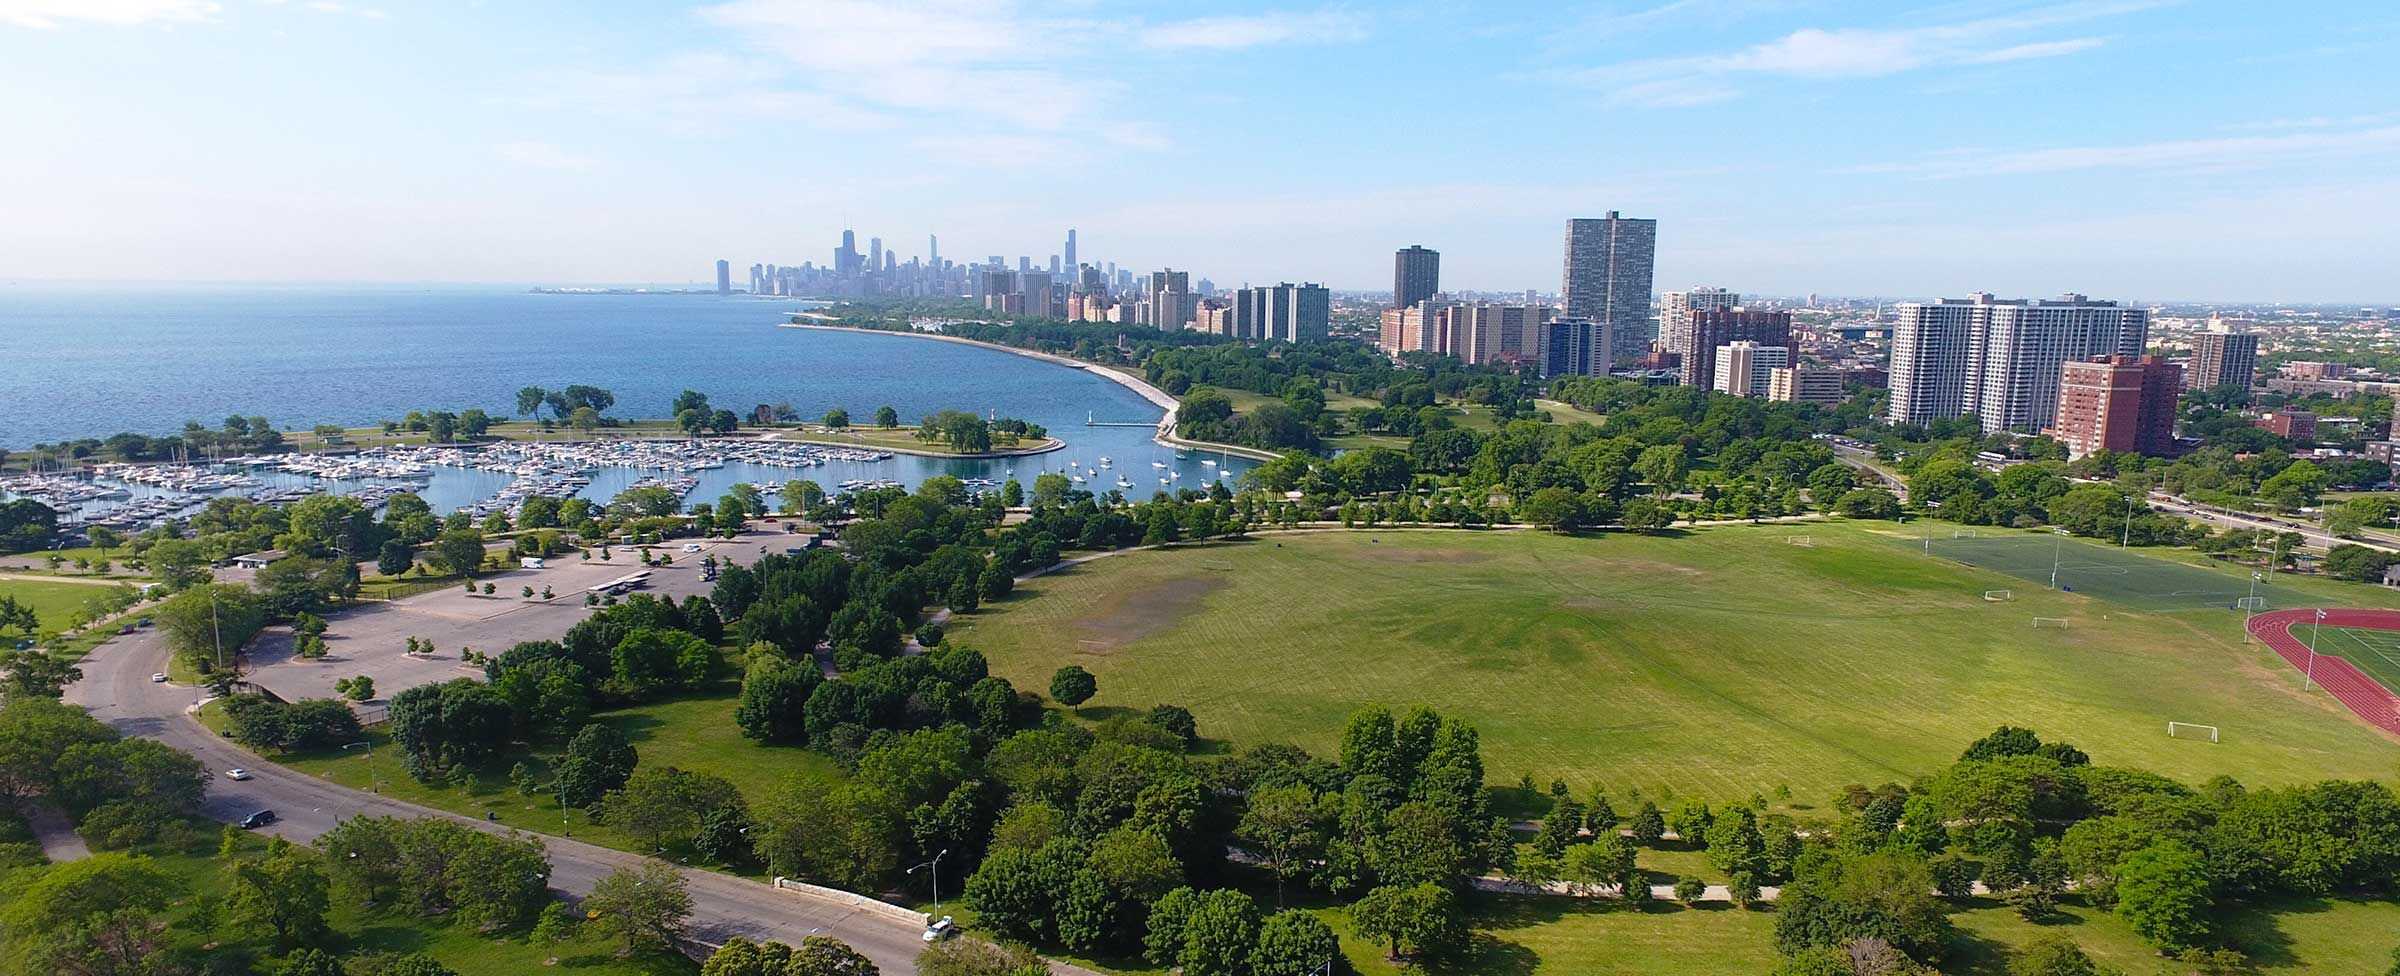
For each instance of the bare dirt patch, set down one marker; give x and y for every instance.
(1131, 614)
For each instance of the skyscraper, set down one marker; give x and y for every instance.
(1745, 368)
(2224, 359)
(1071, 265)
(1171, 300)
(1607, 280)
(1675, 310)
(845, 261)
(933, 251)
(724, 277)
(874, 254)
(1416, 274)
(1999, 358)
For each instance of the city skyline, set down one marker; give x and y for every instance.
(2155, 151)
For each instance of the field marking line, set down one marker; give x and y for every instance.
(2372, 649)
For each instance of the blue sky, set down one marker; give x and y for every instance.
(2143, 150)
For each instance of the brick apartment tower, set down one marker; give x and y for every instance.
(2118, 403)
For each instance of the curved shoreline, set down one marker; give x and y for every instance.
(1165, 402)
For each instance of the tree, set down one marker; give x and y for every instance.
(2056, 955)
(1072, 685)
(1648, 824)
(1552, 508)
(966, 957)
(774, 700)
(1293, 943)
(2162, 892)
(458, 551)
(1014, 893)
(824, 955)
(1690, 890)
(1419, 920)
(642, 909)
(66, 910)
(1289, 826)
(598, 760)
(838, 418)
(1842, 899)
(283, 894)
(1219, 935)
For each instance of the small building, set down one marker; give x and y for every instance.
(258, 560)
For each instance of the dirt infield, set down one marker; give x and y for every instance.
(2348, 685)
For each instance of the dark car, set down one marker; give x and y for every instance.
(257, 820)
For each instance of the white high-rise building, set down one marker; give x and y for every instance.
(1675, 310)
(1748, 369)
(1999, 358)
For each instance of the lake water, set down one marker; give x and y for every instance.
(88, 362)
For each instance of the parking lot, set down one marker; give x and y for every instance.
(372, 639)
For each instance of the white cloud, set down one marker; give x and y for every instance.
(44, 14)
(1237, 33)
(694, 94)
(1841, 53)
(542, 155)
(2221, 154)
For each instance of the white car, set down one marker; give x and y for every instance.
(158, 677)
(940, 930)
(237, 774)
(691, 547)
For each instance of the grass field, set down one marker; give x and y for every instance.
(51, 602)
(2376, 652)
(1718, 663)
(2131, 577)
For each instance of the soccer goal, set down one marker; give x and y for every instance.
(1798, 540)
(2058, 622)
(1998, 596)
(2251, 603)
(2190, 730)
(1964, 534)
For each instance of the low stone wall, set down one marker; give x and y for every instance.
(852, 899)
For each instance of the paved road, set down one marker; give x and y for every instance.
(2316, 535)
(117, 689)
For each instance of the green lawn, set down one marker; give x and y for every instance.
(696, 734)
(1719, 663)
(1562, 412)
(51, 602)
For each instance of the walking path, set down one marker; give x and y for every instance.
(82, 580)
(51, 828)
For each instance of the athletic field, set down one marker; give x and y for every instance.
(2122, 576)
(2376, 652)
(1718, 661)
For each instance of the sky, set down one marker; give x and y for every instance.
(2148, 150)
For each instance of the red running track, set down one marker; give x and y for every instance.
(2364, 695)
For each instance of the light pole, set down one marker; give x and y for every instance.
(370, 747)
(936, 865)
(561, 782)
(2308, 681)
(2056, 546)
(2127, 541)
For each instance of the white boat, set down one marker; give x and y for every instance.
(1158, 464)
(1206, 463)
(1104, 461)
(1074, 477)
(1122, 483)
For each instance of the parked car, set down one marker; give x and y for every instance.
(691, 547)
(237, 774)
(257, 820)
(127, 629)
(145, 621)
(158, 677)
(940, 930)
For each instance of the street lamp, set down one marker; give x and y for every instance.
(2127, 541)
(936, 865)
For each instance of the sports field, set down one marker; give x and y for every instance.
(1720, 662)
(2130, 577)
(2376, 652)
(53, 603)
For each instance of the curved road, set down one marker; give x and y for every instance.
(116, 687)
